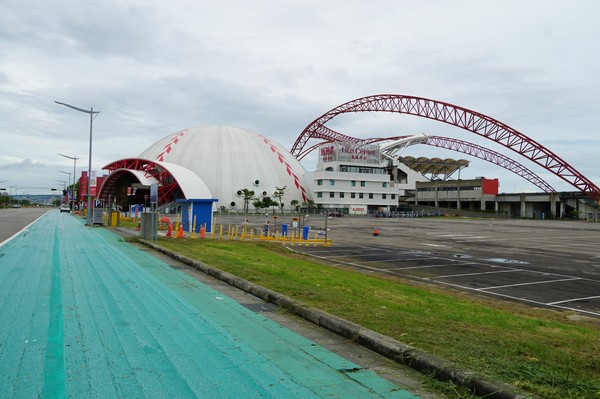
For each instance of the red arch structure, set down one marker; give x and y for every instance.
(454, 115)
(486, 154)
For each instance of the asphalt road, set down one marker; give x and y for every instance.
(12, 220)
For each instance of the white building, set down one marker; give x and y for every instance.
(352, 179)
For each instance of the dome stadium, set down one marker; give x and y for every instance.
(212, 161)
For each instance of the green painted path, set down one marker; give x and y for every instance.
(85, 315)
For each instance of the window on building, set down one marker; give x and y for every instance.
(319, 195)
(319, 182)
(383, 196)
(362, 183)
(360, 195)
(370, 195)
(331, 182)
(352, 195)
(384, 184)
(341, 195)
(393, 196)
(331, 194)
(353, 183)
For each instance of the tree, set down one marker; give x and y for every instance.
(279, 192)
(264, 202)
(309, 204)
(247, 195)
(294, 203)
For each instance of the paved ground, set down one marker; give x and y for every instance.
(12, 220)
(85, 314)
(554, 264)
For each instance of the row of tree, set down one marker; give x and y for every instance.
(263, 201)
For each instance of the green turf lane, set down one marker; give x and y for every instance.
(85, 314)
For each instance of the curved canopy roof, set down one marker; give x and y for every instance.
(171, 178)
(434, 166)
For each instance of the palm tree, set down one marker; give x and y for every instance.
(279, 192)
(247, 195)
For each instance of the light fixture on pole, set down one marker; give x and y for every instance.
(74, 174)
(91, 112)
(68, 181)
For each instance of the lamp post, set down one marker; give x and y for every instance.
(74, 174)
(91, 112)
(69, 179)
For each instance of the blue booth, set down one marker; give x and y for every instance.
(201, 209)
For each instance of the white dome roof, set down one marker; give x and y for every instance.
(228, 159)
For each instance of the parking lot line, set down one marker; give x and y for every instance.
(530, 283)
(574, 300)
(482, 273)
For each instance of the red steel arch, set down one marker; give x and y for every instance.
(454, 115)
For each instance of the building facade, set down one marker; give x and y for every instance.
(352, 179)
(472, 194)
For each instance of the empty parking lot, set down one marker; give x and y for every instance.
(553, 264)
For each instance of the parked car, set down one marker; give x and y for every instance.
(65, 208)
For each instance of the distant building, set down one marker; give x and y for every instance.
(352, 179)
(472, 194)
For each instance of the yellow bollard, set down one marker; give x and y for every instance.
(193, 228)
(221, 232)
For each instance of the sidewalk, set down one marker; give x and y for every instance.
(85, 314)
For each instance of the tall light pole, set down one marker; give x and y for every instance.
(74, 174)
(68, 182)
(91, 112)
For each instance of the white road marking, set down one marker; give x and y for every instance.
(531, 283)
(480, 273)
(574, 300)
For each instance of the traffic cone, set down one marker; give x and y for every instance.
(202, 232)
(180, 232)
(375, 232)
(170, 231)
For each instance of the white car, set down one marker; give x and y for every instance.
(65, 208)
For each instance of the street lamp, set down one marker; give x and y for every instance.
(68, 182)
(91, 112)
(74, 174)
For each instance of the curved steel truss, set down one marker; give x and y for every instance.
(166, 184)
(463, 118)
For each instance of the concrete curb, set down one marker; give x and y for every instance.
(385, 346)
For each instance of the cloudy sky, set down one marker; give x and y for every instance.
(154, 67)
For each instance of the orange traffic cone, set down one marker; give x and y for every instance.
(170, 231)
(180, 232)
(375, 232)
(202, 232)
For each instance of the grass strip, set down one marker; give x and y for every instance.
(540, 351)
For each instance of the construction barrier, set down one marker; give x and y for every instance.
(244, 233)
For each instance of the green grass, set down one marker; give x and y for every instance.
(539, 351)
